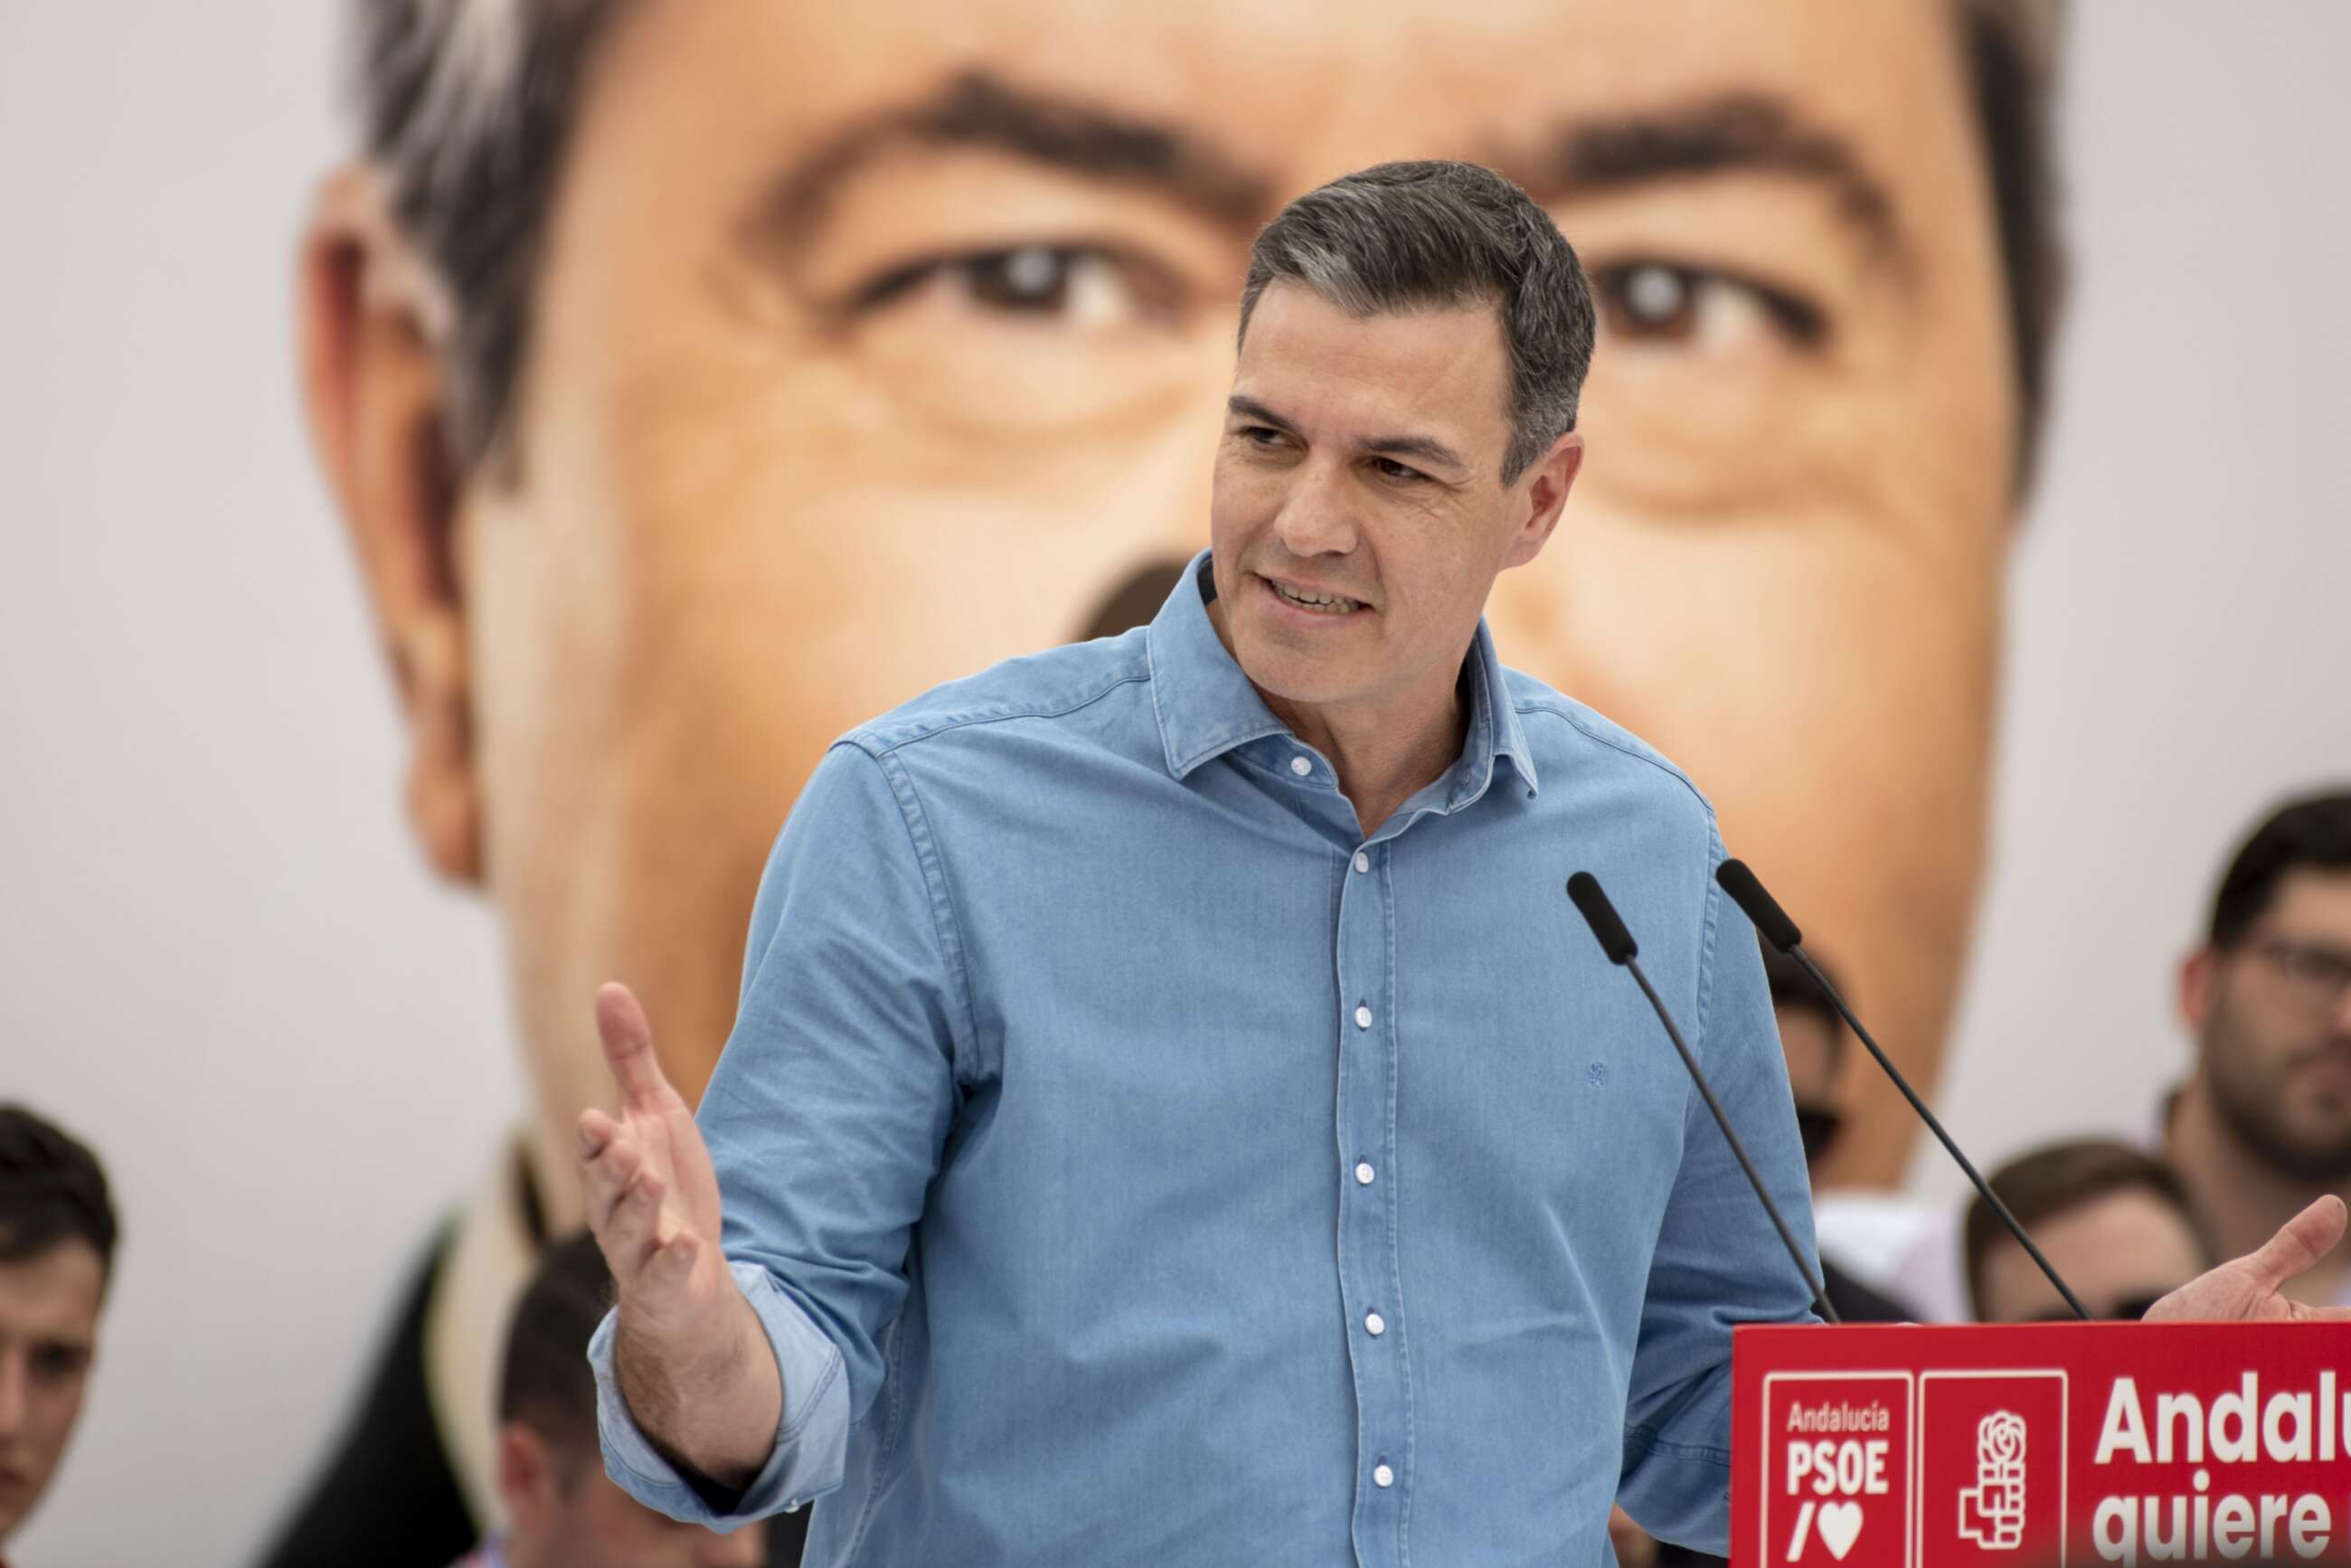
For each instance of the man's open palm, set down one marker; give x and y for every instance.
(2248, 1290)
(653, 1197)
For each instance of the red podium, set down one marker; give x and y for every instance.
(1911, 1447)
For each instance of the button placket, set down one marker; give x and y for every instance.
(1371, 1322)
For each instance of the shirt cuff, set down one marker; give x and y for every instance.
(806, 1462)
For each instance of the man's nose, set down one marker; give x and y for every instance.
(1317, 515)
(14, 1398)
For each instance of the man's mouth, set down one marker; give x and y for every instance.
(1317, 604)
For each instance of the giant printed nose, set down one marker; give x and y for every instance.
(745, 1548)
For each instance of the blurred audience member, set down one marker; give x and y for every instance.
(2113, 1221)
(1812, 1036)
(2263, 1123)
(564, 1512)
(57, 1252)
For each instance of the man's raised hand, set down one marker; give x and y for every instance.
(653, 1197)
(2250, 1289)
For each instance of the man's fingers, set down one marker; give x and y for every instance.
(2310, 1314)
(607, 1176)
(629, 1045)
(2302, 1241)
(630, 1233)
(596, 1131)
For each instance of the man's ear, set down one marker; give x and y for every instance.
(2199, 975)
(1547, 483)
(529, 1479)
(372, 324)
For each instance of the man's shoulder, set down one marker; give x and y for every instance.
(1585, 745)
(1055, 685)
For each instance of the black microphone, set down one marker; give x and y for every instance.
(1608, 930)
(1773, 924)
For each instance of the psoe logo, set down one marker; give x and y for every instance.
(1991, 1511)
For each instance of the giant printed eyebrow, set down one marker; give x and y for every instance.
(979, 109)
(1423, 448)
(1736, 132)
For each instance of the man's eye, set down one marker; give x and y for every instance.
(1665, 304)
(1389, 469)
(1076, 285)
(56, 1364)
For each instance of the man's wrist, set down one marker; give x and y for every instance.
(686, 1394)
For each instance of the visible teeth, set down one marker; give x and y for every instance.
(1316, 600)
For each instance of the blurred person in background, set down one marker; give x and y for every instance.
(696, 380)
(2263, 1123)
(1813, 1037)
(56, 1254)
(2113, 1221)
(565, 1511)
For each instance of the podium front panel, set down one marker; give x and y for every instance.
(2026, 1445)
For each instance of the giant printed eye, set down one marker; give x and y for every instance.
(1701, 310)
(1078, 286)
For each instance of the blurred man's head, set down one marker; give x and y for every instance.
(565, 1511)
(701, 377)
(1812, 1037)
(56, 1250)
(2112, 1219)
(2269, 994)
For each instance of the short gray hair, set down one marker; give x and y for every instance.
(467, 107)
(1405, 236)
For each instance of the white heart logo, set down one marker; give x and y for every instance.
(1840, 1526)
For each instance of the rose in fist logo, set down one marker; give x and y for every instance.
(1991, 1511)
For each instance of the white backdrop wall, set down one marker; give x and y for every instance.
(221, 961)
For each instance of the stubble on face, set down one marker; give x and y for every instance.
(2283, 1091)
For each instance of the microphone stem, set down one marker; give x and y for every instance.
(1936, 1127)
(1787, 1238)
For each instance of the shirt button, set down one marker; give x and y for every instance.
(1300, 766)
(1382, 1476)
(1375, 1324)
(1362, 1018)
(1364, 1173)
(1363, 860)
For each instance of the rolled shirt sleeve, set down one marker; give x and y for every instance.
(1718, 1262)
(809, 1440)
(825, 1118)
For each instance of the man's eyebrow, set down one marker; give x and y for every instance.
(1242, 406)
(1427, 448)
(1731, 133)
(978, 110)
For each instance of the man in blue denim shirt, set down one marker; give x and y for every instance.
(1173, 1114)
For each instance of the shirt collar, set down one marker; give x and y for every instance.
(1205, 706)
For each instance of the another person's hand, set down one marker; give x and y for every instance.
(2248, 1290)
(653, 1197)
